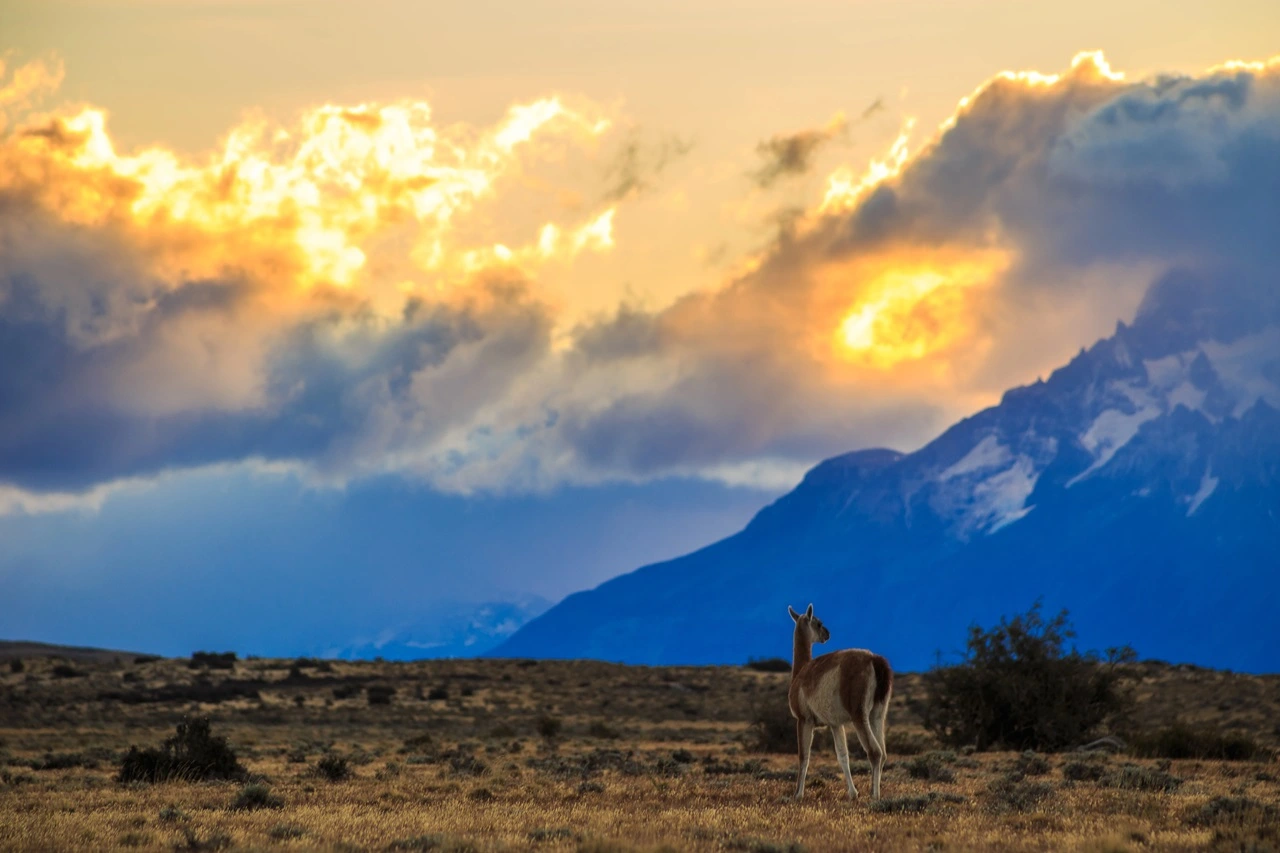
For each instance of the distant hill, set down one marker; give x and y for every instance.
(10, 649)
(1139, 486)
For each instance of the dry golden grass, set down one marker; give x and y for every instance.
(677, 776)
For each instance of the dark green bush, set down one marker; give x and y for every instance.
(1184, 741)
(769, 665)
(1084, 771)
(193, 753)
(212, 660)
(773, 729)
(1013, 791)
(1031, 764)
(549, 726)
(334, 768)
(1132, 777)
(16, 665)
(603, 730)
(933, 766)
(1019, 688)
(380, 694)
(436, 694)
(256, 796)
(66, 670)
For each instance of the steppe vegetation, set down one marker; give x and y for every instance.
(109, 753)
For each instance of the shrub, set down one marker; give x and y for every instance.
(423, 743)
(346, 691)
(1084, 771)
(138, 659)
(286, 831)
(549, 726)
(334, 768)
(603, 730)
(173, 814)
(66, 670)
(773, 729)
(380, 694)
(933, 766)
(769, 665)
(437, 693)
(1184, 741)
(1031, 764)
(908, 743)
(193, 753)
(16, 665)
(212, 660)
(1013, 791)
(1134, 778)
(1017, 687)
(899, 805)
(256, 797)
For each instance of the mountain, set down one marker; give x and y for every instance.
(457, 630)
(1139, 486)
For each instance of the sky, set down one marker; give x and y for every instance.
(321, 317)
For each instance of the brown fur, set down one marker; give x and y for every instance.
(862, 685)
(884, 679)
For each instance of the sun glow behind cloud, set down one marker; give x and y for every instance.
(364, 291)
(910, 310)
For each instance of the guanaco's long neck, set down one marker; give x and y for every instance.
(801, 651)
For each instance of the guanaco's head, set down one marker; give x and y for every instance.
(809, 625)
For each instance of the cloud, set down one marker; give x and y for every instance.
(361, 292)
(638, 164)
(786, 155)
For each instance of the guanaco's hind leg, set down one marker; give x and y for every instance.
(842, 756)
(804, 742)
(874, 750)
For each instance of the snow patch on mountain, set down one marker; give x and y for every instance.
(1248, 368)
(1208, 483)
(1109, 432)
(986, 454)
(1001, 499)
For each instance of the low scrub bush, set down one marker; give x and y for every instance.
(1132, 777)
(66, 670)
(932, 766)
(334, 768)
(1084, 771)
(603, 730)
(907, 743)
(549, 726)
(380, 694)
(212, 660)
(1013, 791)
(193, 753)
(769, 665)
(1184, 741)
(256, 796)
(1019, 688)
(1031, 763)
(773, 729)
(16, 665)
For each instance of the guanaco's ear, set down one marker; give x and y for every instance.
(809, 612)
(795, 617)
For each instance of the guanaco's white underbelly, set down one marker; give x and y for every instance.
(824, 702)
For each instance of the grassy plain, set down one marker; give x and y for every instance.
(515, 755)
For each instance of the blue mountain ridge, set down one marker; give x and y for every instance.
(1139, 487)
